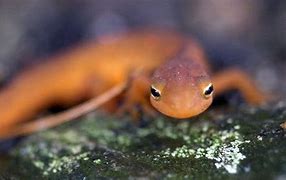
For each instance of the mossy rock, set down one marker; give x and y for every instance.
(238, 143)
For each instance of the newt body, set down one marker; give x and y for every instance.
(173, 66)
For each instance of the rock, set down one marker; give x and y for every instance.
(242, 142)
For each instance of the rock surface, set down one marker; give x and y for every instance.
(238, 143)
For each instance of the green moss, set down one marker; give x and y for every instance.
(64, 163)
(97, 161)
(233, 144)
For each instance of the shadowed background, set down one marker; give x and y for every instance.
(249, 34)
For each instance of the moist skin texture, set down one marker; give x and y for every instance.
(181, 83)
(178, 64)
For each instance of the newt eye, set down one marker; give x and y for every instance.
(155, 93)
(208, 91)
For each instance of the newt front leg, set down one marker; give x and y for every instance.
(136, 96)
(235, 79)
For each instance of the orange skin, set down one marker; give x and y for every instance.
(181, 82)
(173, 64)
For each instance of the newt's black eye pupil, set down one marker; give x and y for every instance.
(209, 90)
(155, 93)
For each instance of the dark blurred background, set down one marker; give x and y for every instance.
(248, 33)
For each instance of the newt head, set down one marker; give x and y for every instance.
(181, 88)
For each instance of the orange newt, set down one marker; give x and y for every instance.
(169, 69)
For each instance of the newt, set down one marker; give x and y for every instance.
(158, 68)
